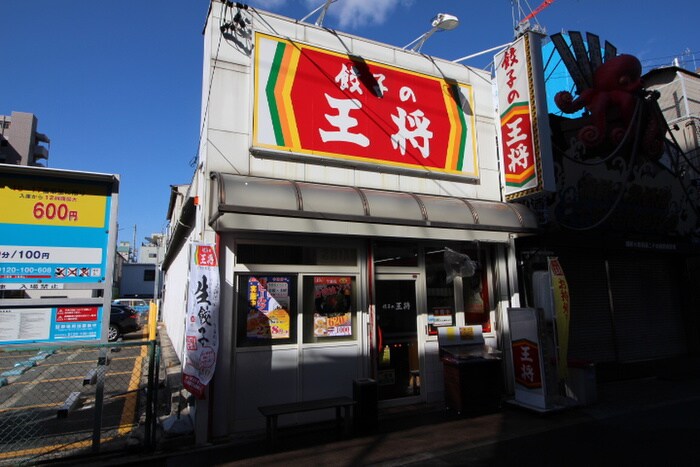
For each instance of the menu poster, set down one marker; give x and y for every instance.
(332, 306)
(268, 307)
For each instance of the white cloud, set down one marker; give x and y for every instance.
(352, 14)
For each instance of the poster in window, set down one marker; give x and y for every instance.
(476, 301)
(332, 306)
(268, 308)
(439, 316)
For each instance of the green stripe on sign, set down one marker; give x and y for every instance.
(463, 122)
(270, 93)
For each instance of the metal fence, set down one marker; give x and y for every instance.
(59, 402)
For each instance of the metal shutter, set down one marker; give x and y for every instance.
(590, 329)
(647, 306)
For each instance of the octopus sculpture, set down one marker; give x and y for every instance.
(616, 92)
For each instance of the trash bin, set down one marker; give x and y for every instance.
(472, 371)
(366, 412)
(473, 385)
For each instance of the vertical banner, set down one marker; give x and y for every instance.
(524, 129)
(560, 292)
(201, 328)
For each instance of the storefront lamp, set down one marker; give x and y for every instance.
(442, 22)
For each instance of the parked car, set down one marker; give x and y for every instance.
(122, 320)
(137, 304)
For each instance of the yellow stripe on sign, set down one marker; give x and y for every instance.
(287, 97)
(515, 178)
(279, 97)
(453, 117)
(31, 206)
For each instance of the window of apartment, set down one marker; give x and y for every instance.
(149, 275)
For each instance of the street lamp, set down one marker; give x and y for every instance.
(442, 22)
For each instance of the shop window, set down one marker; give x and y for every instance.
(440, 292)
(395, 254)
(329, 308)
(295, 254)
(476, 299)
(267, 310)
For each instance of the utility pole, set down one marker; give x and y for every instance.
(133, 247)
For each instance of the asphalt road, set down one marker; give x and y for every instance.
(660, 436)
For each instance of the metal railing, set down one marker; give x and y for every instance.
(63, 401)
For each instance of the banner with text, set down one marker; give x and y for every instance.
(52, 232)
(562, 309)
(315, 102)
(201, 328)
(524, 127)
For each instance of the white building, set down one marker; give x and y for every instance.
(334, 175)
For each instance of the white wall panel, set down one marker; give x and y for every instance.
(329, 371)
(227, 152)
(229, 105)
(173, 308)
(260, 378)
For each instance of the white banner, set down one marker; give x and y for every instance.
(201, 329)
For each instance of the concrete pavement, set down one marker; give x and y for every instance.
(431, 435)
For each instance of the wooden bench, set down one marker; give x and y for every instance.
(271, 412)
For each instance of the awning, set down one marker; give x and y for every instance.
(243, 203)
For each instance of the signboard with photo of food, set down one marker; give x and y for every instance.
(332, 306)
(268, 312)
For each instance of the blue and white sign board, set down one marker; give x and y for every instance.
(52, 233)
(56, 232)
(54, 324)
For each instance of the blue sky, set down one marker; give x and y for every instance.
(117, 85)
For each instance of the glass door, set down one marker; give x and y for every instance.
(398, 365)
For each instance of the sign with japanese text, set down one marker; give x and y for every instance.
(526, 363)
(562, 312)
(49, 324)
(52, 232)
(439, 316)
(525, 146)
(528, 356)
(268, 307)
(314, 102)
(201, 327)
(332, 306)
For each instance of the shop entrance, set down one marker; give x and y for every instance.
(398, 365)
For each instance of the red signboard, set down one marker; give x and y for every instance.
(526, 157)
(526, 363)
(321, 103)
(83, 313)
